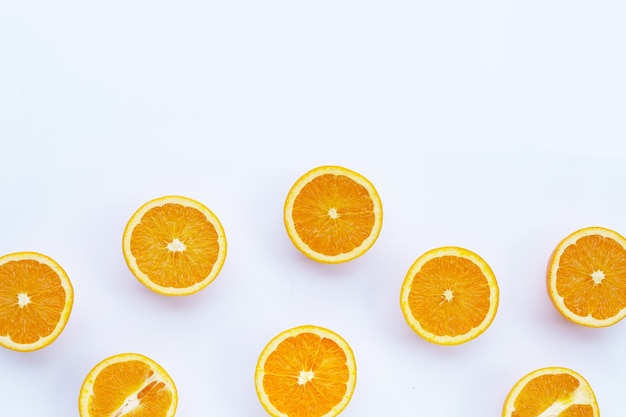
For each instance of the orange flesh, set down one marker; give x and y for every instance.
(577, 410)
(469, 303)
(303, 353)
(575, 283)
(540, 393)
(121, 381)
(42, 286)
(333, 194)
(159, 227)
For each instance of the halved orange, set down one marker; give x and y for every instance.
(551, 391)
(306, 371)
(333, 214)
(36, 298)
(128, 384)
(174, 245)
(449, 295)
(586, 277)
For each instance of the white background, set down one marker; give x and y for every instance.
(494, 125)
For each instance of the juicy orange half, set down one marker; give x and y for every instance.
(552, 391)
(128, 384)
(307, 371)
(174, 245)
(333, 214)
(449, 295)
(36, 298)
(586, 277)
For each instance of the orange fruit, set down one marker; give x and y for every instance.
(449, 295)
(552, 391)
(306, 371)
(36, 298)
(174, 245)
(333, 214)
(127, 384)
(586, 277)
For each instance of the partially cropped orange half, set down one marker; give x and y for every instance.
(449, 295)
(586, 277)
(174, 245)
(551, 392)
(333, 214)
(36, 298)
(306, 371)
(128, 384)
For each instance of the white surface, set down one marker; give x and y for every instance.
(498, 126)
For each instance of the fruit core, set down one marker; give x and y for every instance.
(134, 400)
(23, 299)
(597, 276)
(305, 376)
(176, 246)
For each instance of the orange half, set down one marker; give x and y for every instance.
(586, 277)
(174, 245)
(552, 391)
(307, 371)
(128, 384)
(449, 295)
(36, 298)
(333, 214)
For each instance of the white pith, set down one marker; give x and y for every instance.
(23, 299)
(176, 246)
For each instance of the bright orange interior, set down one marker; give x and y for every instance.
(173, 225)
(599, 257)
(333, 214)
(121, 381)
(449, 296)
(545, 390)
(31, 300)
(306, 375)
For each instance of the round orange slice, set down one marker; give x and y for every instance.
(449, 296)
(36, 298)
(174, 245)
(128, 384)
(586, 277)
(552, 391)
(333, 214)
(306, 371)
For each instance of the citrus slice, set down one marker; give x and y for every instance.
(306, 371)
(36, 298)
(128, 384)
(551, 392)
(449, 295)
(333, 214)
(174, 245)
(586, 277)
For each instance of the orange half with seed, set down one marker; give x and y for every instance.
(128, 384)
(552, 391)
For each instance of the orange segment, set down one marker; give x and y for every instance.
(552, 391)
(449, 295)
(128, 384)
(586, 277)
(307, 371)
(36, 298)
(174, 245)
(333, 214)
